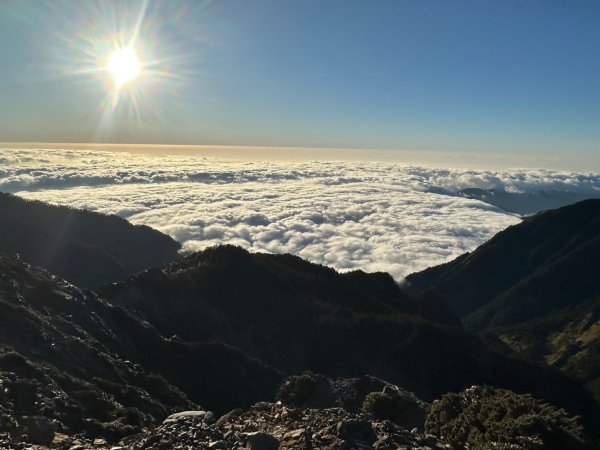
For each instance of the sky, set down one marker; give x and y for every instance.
(488, 77)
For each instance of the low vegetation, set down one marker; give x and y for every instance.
(482, 418)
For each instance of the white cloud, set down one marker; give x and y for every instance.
(372, 216)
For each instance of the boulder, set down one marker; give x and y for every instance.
(262, 441)
(205, 416)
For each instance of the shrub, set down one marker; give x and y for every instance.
(297, 389)
(397, 406)
(380, 405)
(480, 418)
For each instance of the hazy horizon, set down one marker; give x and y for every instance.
(452, 159)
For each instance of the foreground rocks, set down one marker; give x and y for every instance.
(479, 418)
(372, 395)
(264, 426)
(271, 426)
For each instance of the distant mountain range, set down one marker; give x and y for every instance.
(527, 203)
(222, 328)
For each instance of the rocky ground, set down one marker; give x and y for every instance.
(316, 412)
(264, 426)
(313, 412)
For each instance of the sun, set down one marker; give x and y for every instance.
(124, 65)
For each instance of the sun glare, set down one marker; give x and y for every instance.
(123, 65)
(123, 48)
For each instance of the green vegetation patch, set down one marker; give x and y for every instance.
(481, 418)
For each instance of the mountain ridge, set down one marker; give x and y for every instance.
(220, 293)
(223, 327)
(84, 247)
(474, 279)
(548, 284)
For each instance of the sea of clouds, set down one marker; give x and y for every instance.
(375, 216)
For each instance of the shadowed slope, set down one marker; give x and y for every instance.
(535, 286)
(297, 316)
(87, 363)
(525, 259)
(83, 247)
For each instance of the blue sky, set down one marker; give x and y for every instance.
(424, 75)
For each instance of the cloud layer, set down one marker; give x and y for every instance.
(372, 216)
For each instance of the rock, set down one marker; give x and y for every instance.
(206, 416)
(262, 441)
(152, 440)
(295, 434)
(266, 427)
(299, 438)
(225, 417)
(385, 443)
(132, 438)
(38, 429)
(356, 430)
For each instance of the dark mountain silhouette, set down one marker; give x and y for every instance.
(222, 328)
(297, 316)
(535, 286)
(54, 360)
(548, 261)
(85, 248)
(292, 314)
(69, 355)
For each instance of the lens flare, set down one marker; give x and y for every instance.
(137, 58)
(124, 65)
